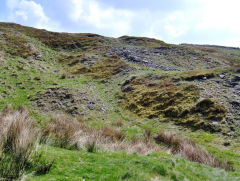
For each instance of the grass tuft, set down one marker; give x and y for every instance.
(73, 134)
(18, 139)
(188, 150)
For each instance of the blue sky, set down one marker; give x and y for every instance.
(174, 21)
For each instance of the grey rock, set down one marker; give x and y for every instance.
(237, 87)
(103, 109)
(222, 76)
(232, 82)
(61, 105)
(142, 56)
(235, 104)
(236, 78)
(231, 133)
(90, 106)
(38, 55)
(215, 123)
(68, 104)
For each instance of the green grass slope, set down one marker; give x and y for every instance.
(79, 165)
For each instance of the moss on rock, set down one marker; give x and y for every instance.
(149, 98)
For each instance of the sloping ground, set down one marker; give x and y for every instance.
(56, 40)
(222, 90)
(168, 101)
(79, 165)
(229, 55)
(61, 99)
(142, 41)
(88, 76)
(103, 69)
(166, 58)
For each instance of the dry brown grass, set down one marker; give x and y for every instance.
(119, 123)
(62, 130)
(115, 135)
(209, 50)
(103, 69)
(18, 131)
(188, 150)
(18, 137)
(73, 134)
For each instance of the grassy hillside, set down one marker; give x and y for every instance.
(99, 105)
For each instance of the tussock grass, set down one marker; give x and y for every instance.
(188, 150)
(18, 139)
(73, 134)
(18, 132)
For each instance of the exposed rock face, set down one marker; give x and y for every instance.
(224, 90)
(168, 58)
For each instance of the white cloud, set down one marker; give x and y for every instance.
(118, 22)
(30, 13)
(115, 21)
(220, 14)
(22, 14)
(206, 21)
(153, 30)
(176, 24)
(167, 26)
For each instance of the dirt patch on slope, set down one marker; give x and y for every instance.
(74, 102)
